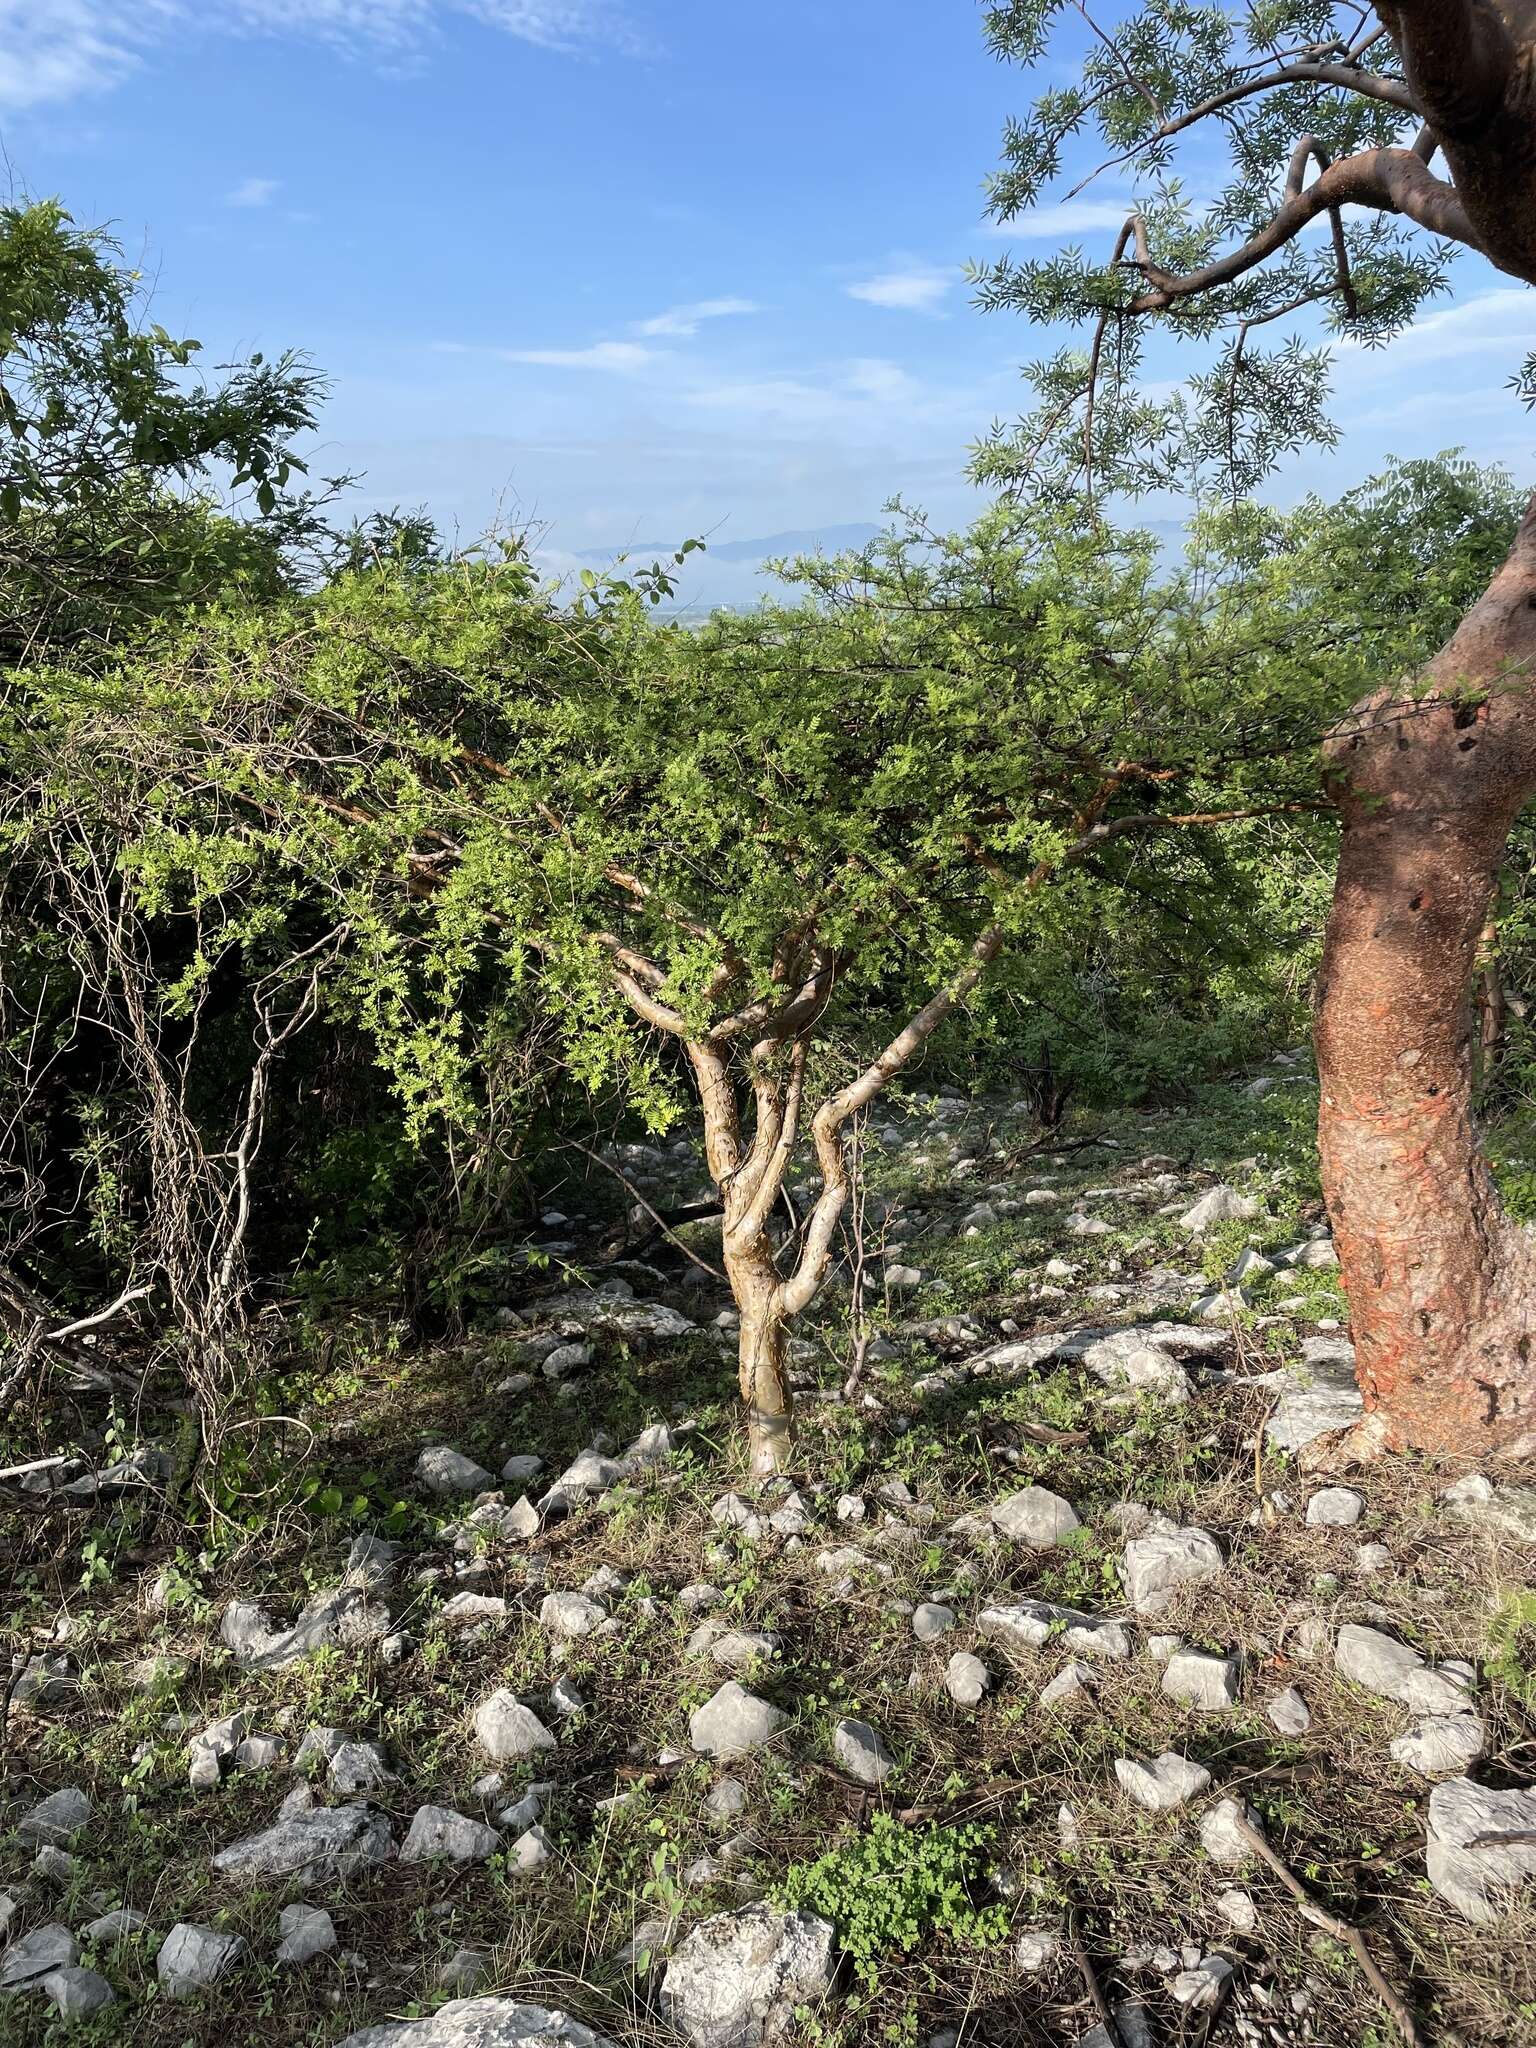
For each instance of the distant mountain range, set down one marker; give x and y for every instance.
(831, 540)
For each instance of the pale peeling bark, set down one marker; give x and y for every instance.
(1441, 1283)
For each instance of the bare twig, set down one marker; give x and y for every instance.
(575, 1145)
(1341, 1930)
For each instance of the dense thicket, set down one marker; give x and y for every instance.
(341, 882)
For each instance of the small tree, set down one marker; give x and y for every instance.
(1331, 117)
(768, 858)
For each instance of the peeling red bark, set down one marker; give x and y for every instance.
(1428, 779)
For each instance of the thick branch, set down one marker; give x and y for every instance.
(1393, 180)
(1459, 57)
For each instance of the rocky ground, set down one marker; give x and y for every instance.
(1050, 1699)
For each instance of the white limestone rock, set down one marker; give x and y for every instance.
(1221, 1204)
(307, 1931)
(444, 1471)
(733, 1722)
(507, 1730)
(481, 2023)
(1036, 1516)
(1439, 1745)
(1395, 1672)
(737, 1979)
(1335, 1507)
(328, 1843)
(1031, 1624)
(1474, 1857)
(1222, 1838)
(1155, 1565)
(1209, 1683)
(862, 1754)
(438, 1834)
(1168, 1781)
(966, 1679)
(1288, 1712)
(191, 1958)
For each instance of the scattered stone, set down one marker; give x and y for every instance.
(1508, 1510)
(77, 1993)
(327, 1843)
(1236, 1907)
(55, 1866)
(902, 1279)
(442, 1470)
(530, 1852)
(570, 1615)
(727, 1801)
(465, 1970)
(931, 1619)
(860, 1751)
(1209, 1683)
(1167, 1781)
(114, 1926)
(56, 1819)
(733, 1722)
(1221, 1837)
(468, 1610)
(1155, 1564)
(966, 1679)
(1033, 1623)
(258, 1753)
(1035, 1949)
(507, 1730)
(481, 2023)
(1220, 1205)
(1389, 1668)
(1441, 1743)
(1288, 1712)
(34, 1955)
(439, 1835)
(343, 1614)
(1316, 1397)
(1204, 1987)
(1133, 2029)
(1481, 1846)
(191, 1958)
(737, 1979)
(1072, 1679)
(1335, 1507)
(306, 1931)
(1036, 1516)
(358, 1767)
(565, 1700)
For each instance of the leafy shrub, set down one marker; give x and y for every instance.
(889, 1888)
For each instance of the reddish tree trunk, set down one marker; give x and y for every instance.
(1441, 1283)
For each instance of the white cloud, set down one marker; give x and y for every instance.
(866, 389)
(602, 355)
(254, 192)
(53, 50)
(1502, 319)
(684, 320)
(1067, 221)
(917, 289)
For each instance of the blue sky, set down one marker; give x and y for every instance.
(632, 271)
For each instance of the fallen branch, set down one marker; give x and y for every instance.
(1341, 1930)
(39, 1465)
(575, 1145)
(1091, 1984)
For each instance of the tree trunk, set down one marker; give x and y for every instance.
(763, 1350)
(1441, 1283)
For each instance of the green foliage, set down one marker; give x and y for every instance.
(103, 426)
(890, 1888)
(1511, 1659)
(1180, 101)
